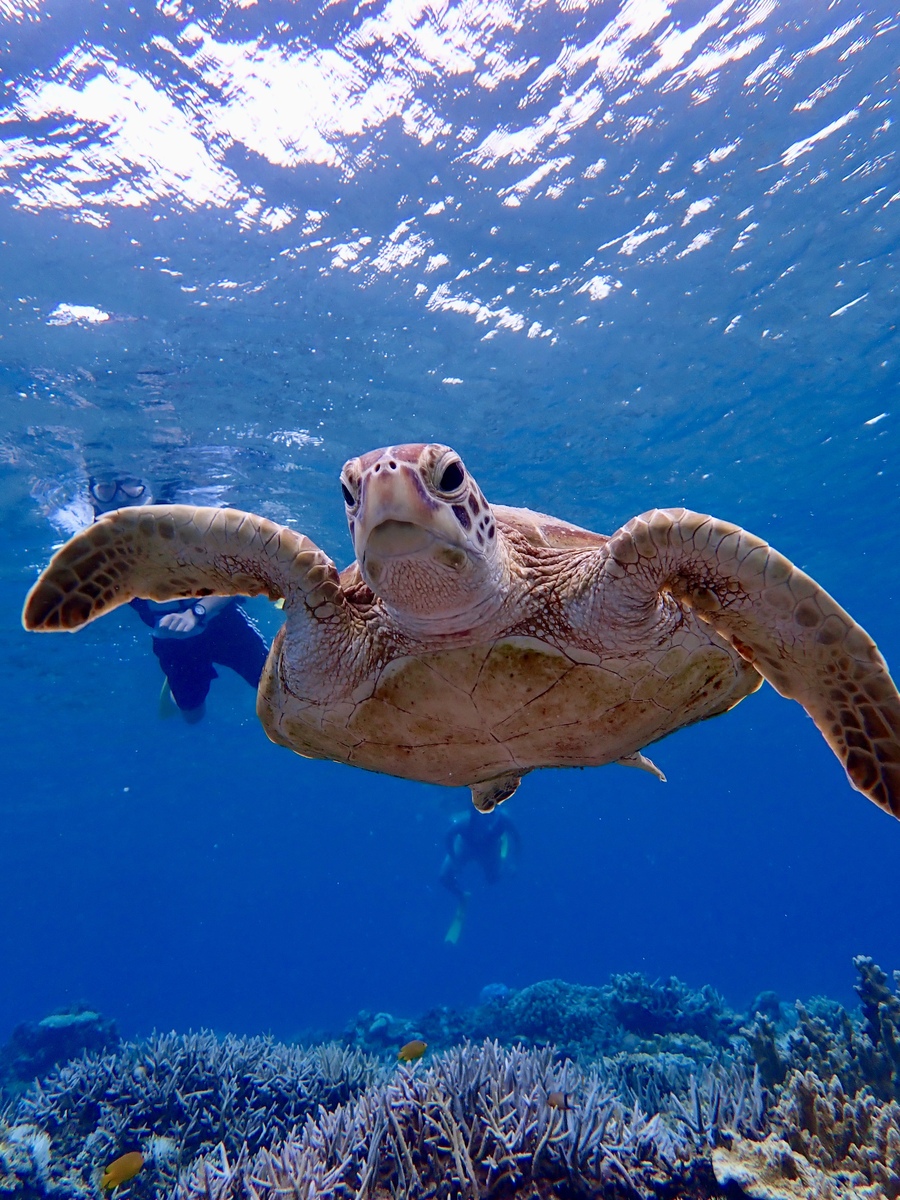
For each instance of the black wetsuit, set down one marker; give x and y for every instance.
(227, 637)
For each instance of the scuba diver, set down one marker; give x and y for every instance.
(489, 840)
(189, 635)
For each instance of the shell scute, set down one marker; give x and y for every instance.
(514, 672)
(412, 686)
(580, 696)
(460, 667)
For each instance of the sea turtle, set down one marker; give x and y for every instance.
(471, 643)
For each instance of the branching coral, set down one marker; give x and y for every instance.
(856, 1138)
(483, 1121)
(828, 1042)
(771, 1170)
(835, 1119)
(880, 1058)
(175, 1097)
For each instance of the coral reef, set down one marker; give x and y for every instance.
(827, 1041)
(668, 1006)
(650, 1090)
(484, 1121)
(824, 1145)
(24, 1161)
(853, 1139)
(834, 1115)
(770, 1170)
(174, 1097)
(36, 1046)
(630, 1013)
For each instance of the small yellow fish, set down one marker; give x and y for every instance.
(121, 1169)
(411, 1051)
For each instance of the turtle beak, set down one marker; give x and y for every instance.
(397, 519)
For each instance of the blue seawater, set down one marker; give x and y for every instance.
(619, 255)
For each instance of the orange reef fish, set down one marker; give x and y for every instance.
(411, 1051)
(121, 1169)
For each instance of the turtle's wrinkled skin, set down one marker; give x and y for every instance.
(470, 643)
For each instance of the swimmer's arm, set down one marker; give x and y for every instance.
(214, 604)
(186, 622)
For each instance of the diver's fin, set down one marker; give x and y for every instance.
(169, 551)
(486, 796)
(642, 763)
(456, 925)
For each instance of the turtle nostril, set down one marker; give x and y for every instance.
(377, 468)
(392, 465)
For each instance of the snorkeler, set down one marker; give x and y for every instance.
(489, 840)
(189, 635)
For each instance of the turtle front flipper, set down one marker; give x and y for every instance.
(170, 551)
(776, 617)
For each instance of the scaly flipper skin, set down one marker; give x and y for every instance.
(777, 618)
(164, 552)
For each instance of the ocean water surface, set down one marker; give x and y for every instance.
(619, 255)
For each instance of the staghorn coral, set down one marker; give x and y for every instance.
(176, 1096)
(657, 1082)
(477, 1123)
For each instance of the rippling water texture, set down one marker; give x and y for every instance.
(618, 255)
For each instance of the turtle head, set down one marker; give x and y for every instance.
(425, 537)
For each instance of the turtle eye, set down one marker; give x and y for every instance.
(349, 498)
(452, 477)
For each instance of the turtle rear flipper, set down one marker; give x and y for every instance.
(486, 796)
(777, 618)
(170, 551)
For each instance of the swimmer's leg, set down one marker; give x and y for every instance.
(189, 673)
(167, 706)
(236, 642)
